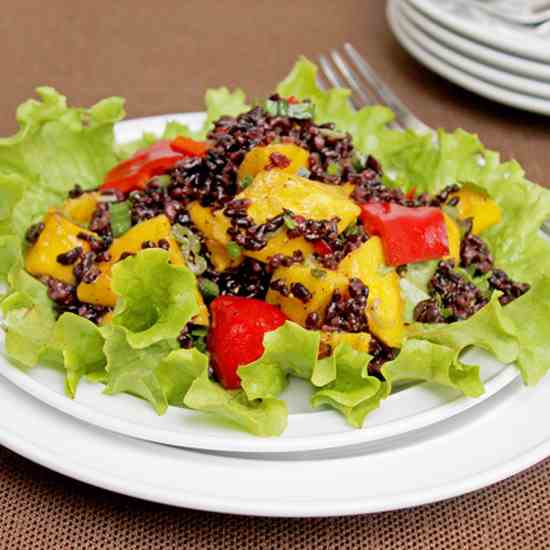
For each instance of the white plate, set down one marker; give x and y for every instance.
(490, 56)
(308, 429)
(504, 435)
(411, 41)
(525, 86)
(494, 33)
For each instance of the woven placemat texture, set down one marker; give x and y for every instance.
(40, 509)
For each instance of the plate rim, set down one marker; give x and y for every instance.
(459, 77)
(515, 43)
(528, 68)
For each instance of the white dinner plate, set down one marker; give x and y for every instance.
(475, 50)
(416, 43)
(456, 16)
(403, 412)
(503, 435)
(493, 75)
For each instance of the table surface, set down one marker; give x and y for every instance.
(162, 56)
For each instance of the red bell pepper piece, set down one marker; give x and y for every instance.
(155, 160)
(408, 234)
(236, 334)
(189, 147)
(292, 100)
(322, 248)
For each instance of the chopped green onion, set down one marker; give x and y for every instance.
(351, 230)
(301, 111)
(121, 220)
(318, 273)
(358, 161)
(162, 181)
(190, 246)
(334, 169)
(304, 172)
(289, 222)
(246, 181)
(334, 134)
(209, 289)
(233, 249)
(282, 107)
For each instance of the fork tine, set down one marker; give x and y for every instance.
(330, 73)
(365, 97)
(402, 114)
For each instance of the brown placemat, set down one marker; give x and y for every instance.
(161, 56)
(40, 509)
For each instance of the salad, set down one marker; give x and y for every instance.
(295, 237)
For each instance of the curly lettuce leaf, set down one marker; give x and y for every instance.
(155, 298)
(490, 328)
(530, 316)
(429, 362)
(134, 371)
(289, 350)
(353, 392)
(56, 147)
(261, 417)
(81, 343)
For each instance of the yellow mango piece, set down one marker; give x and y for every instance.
(257, 159)
(281, 244)
(80, 209)
(59, 236)
(357, 340)
(150, 230)
(453, 238)
(100, 292)
(107, 319)
(384, 306)
(483, 210)
(274, 191)
(320, 288)
(214, 226)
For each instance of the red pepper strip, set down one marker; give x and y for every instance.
(322, 248)
(408, 234)
(411, 194)
(237, 333)
(155, 160)
(189, 147)
(292, 100)
(135, 172)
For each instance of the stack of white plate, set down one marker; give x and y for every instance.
(483, 53)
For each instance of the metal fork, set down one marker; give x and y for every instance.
(366, 86)
(369, 89)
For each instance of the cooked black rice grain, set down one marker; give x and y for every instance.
(250, 279)
(511, 290)
(381, 353)
(300, 292)
(459, 297)
(71, 256)
(33, 232)
(427, 311)
(475, 253)
(348, 313)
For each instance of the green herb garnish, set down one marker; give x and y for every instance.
(334, 169)
(246, 181)
(318, 273)
(209, 289)
(233, 249)
(289, 222)
(121, 219)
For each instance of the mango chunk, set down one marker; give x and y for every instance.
(483, 210)
(81, 209)
(59, 236)
(321, 289)
(357, 340)
(100, 292)
(385, 306)
(214, 226)
(258, 158)
(453, 237)
(274, 191)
